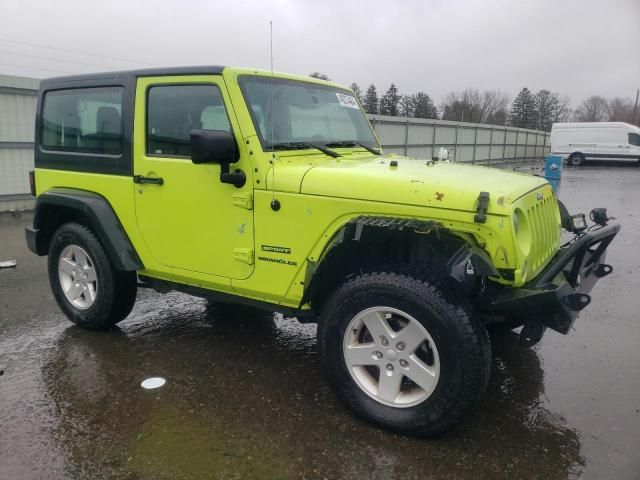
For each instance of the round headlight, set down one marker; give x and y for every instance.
(521, 229)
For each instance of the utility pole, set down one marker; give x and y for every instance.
(635, 108)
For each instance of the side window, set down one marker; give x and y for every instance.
(634, 139)
(84, 120)
(174, 110)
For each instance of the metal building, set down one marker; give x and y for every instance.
(17, 120)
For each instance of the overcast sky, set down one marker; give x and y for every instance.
(575, 47)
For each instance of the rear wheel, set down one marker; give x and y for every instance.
(90, 292)
(403, 351)
(576, 159)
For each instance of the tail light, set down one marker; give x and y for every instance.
(32, 182)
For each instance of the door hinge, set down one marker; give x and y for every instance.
(243, 200)
(244, 255)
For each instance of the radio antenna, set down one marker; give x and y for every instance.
(275, 204)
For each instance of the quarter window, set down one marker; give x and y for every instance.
(174, 110)
(85, 120)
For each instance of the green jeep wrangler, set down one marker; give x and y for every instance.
(272, 191)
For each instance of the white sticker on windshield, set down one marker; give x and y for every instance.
(347, 100)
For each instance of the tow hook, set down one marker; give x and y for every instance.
(603, 270)
(577, 301)
(531, 333)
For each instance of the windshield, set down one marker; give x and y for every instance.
(287, 112)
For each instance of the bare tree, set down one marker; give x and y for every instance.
(463, 106)
(561, 108)
(494, 107)
(621, 110)
(593, 109)
(472, 105)
(550, 108)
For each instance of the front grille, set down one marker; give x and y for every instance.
(542, 217)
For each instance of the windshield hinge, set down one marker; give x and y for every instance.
(244, 255)
(243, 200)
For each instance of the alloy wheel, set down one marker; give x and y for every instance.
(78, 278)
(391, 357)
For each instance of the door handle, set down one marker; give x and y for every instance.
(142, 179)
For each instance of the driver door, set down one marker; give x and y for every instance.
(189, 220)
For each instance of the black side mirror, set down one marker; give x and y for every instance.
(217, 146)
(213, 146)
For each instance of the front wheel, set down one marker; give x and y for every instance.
(576, 159)
(86, 286)
(402, 350)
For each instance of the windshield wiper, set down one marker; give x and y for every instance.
(301, 145)
(353, 143)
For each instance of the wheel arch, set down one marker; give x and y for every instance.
(366, 242)
(62, 205)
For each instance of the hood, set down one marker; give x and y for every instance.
(411, 182)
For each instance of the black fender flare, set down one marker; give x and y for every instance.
(468, 260)
(102, 220)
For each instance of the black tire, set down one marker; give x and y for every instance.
(127, 285)
(576, 159)
(116, 293)
(461, 340)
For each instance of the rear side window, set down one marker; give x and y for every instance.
(87, 120)
(634, 139)
(174, 110)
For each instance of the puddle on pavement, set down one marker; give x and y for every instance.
(247, 398)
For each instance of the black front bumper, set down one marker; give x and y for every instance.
(556, 296)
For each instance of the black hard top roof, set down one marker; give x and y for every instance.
(123, 76)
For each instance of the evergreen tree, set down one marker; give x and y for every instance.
(545, 104)
(319, 75)
(355, 88)
(390, 102)
(423, 106)
(405, 109)
(523, 110)
(371, 100)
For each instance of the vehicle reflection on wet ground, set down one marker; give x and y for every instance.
(246, 396)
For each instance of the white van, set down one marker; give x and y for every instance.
(578, 142)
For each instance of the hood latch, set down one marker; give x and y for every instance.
(481, 209)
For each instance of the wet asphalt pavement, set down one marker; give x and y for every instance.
(246, 397)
